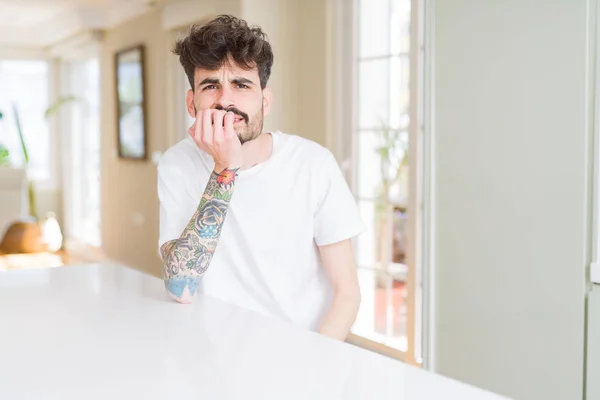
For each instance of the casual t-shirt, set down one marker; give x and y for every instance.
(267, 258)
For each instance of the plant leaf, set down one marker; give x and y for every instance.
(23, 145)
(58, 104)
(4, 155)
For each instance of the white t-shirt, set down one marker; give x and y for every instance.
(267, 258)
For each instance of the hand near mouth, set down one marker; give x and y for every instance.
(213, 133)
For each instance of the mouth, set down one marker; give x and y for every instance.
(238, 120)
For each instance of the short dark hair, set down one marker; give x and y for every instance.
(208, 46)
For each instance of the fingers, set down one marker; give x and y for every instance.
(212, 127)
(197, 136)
(192, 130)
(228, 124)
(207, 127)
(218, 135)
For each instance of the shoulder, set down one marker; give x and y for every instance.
(305, 149)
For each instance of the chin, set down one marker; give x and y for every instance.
(246, 138)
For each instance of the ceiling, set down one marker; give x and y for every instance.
(41, 23)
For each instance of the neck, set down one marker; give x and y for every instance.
(257, 150)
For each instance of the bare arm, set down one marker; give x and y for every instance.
(338, 261)
(185, 260)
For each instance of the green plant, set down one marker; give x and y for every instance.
(393, 159)
(56, 106)
(4, 154)
(31, 189)
(52, 109)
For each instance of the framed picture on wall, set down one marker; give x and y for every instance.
(131, 103)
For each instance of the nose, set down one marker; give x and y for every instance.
(225, 98)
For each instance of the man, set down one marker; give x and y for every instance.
(276, 206)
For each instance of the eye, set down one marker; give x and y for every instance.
(209, 87)
(242, 86)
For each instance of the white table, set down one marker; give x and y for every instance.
(109, 332)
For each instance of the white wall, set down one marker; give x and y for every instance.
(510, 194)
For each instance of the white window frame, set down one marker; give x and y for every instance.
(84, 46)
(594, 125)
(344, 69)
(423, 34)
(72, 147)
(591, 386)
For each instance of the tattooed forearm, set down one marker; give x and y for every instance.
(186, 259)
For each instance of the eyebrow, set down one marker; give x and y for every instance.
(212, 81)
(242, 81)
(237, 81)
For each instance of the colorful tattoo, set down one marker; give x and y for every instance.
(185, 260)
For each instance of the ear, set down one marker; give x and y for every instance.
(189, 100)
(267, 100)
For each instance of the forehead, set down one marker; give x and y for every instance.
(228, 70)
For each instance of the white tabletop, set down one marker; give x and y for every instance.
(109, 332)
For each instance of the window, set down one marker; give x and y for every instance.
(81, 166)
(382, 180)
(24, 87)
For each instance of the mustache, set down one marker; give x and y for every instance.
(234, 110)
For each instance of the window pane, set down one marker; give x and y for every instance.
(374, 28)
(382, 313)
(381, 168)
(369, 173)
(365, 249)
(90, 154)
(399, 95)
(400, 26)
(382, 156)
(24, 84)
(373, 93)
(399, 235)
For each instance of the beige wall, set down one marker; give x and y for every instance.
(129, 200)
(296, 30)
(297, 33)
(310, 60)
(282, 29)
